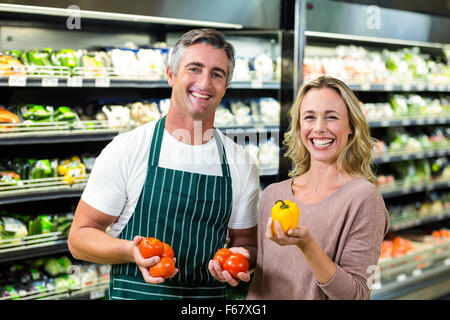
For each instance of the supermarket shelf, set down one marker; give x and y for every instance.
(113, 82)
(46, 137)
(425, 285)
(404, 87)
(410, 155)
(97, 290)
(401, 188)
(40, 189)
(418, 271)
(92, 292)
(32, 246)
(414, 220)
(410, 121)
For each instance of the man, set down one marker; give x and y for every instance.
(178, 180)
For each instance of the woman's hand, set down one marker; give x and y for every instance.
(221, 275)
(299, 236)
(145, 264)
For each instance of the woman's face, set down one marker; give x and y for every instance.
(324, 124)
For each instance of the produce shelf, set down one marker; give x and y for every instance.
(410, 155)
(400, 188)
(400, 87)
(410, 121)
(32, 246)
(40, 189)
(55, 132)
(413, 219)
(93, 291)
(131, 81)
(422, 274)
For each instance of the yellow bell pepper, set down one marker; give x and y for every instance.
(287, 213)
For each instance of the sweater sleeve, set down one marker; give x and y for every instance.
(361, 250)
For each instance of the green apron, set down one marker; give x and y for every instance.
(190, 212)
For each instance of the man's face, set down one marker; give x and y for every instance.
(200, 83)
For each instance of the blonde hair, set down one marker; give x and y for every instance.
(356, 157)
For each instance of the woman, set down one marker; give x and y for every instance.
(343, 218)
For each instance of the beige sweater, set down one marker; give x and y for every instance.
(349, 225)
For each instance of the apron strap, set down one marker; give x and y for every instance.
(155, 148)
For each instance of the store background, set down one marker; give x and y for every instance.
(280, 44)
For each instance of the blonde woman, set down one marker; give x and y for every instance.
(343, 218)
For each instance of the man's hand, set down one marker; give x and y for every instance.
(221, 275)
(145, 264)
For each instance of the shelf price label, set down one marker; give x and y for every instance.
(75, 82)
(17, 81)
(49, 82)
(388, 87)
(102, 82)
(97, 294)
(256, 84)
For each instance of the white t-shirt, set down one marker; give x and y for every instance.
(119, 173)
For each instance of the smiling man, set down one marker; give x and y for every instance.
(179, 180)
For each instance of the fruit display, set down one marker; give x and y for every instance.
(151, 247)
(358, 64)
(286, 213)
(44, 276)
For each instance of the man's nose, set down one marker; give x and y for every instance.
(204, 79)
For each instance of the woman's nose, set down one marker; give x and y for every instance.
(320, 125)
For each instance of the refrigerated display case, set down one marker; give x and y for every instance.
(397, 63)
(73, 91)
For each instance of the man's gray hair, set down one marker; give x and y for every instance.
(206, 36)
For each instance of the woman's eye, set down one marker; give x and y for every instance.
(308, 118)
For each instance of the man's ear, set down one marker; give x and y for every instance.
(170, 76)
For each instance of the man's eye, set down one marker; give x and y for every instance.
(194, 69)
(218, 75)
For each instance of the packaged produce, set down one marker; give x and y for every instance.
(241, 112)
(118, 116)
(223, 116)
(64, 113)
(57, 266)
(142, 113)
(11, 228)
(10, 65)
(151, 63)
(72, 169)
(269, 110)
(36, 113)
(263, 66)
(241, 69)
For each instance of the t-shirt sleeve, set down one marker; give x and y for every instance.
(361, 251)
(106, 186)
(245, 207)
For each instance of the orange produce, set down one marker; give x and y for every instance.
(168, 251)
(150, 247)
(164, 268)
(222, 255)
(286, 213)
(236, 263)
